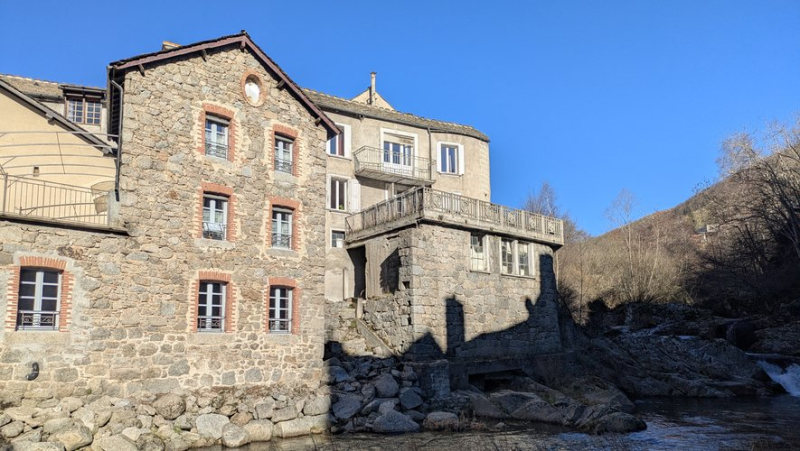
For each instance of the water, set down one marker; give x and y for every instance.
(683, 424)
(789, 377)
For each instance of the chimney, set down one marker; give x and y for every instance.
(167, 45)
(372, 91)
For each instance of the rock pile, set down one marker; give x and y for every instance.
(175, 421)
(378, 395)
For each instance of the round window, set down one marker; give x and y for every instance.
(252, 90)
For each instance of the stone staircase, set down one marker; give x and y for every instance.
(345, 327)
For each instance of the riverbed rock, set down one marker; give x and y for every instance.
(441, 421)
(234, 436)
(301, 426)
(346, 407)
(386, 386)
(394, 422)
(73, 437)
(211, 424)
(170, 406)
(409, 399)
(285, 414)
(12, 429)
(317, 406)
(259, 430)
(617, 422)
(265, 408)
(116, 443)
(37, 446)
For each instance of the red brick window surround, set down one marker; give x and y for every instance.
(282, 138)
(204, 317)
(216, 210)
(274, 222)
(45, 287)
(283, 306)
(217, 132)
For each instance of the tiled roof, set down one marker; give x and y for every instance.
(34, 88)
(337, 104)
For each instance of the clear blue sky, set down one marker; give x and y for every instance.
(593, 96)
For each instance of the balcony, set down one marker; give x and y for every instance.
(392, 167)
(28, 198)
(428, 205)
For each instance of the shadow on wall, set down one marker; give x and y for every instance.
(515, 348)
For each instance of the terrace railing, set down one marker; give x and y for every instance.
(439, 206)
(392, 166)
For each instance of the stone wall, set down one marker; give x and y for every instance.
(134, 298)
(442, 308)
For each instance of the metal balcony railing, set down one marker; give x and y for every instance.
(219, 150)
(283, 165)
(29, 197)
(439, 206)
(282, 241)
(210, 323)
(37, 320)
(392, 166)
(214, 230)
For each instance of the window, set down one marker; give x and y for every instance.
(217, 137)
(477, 251)
(337, 238)
(83, 111)
(211, 307)
(280, 309)
(39, 299)
(507, 256)
(448, 157)
(215, 216)
(282, 228)
(283, 154)
(336, 144)
(516, 257)
(338, 194)
(398, 149)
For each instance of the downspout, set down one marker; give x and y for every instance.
(119, 135)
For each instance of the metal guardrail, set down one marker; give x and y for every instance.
(37, 320)
(214, 230)
(453, 208)
(217, 150)
(283, 165)
(376, 161)
(283, 241)
(210, 323)
(31, 198)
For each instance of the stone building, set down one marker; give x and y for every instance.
(230, 215)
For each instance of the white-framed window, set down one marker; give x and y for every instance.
(84, 111)
(39, 299)
(506, 256)
(516, 257)
(215, 216)
(339, 145)
(280, 309)
(451, 158)
(283, 154)
(337, 191)
(217, 137)
(211, 306)
(479, 258)
(398, 149)
(282, 228)
(337, 238)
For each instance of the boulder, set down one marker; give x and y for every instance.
(386, 386)
(337, 375)
(56, 424)
(149, 442)
(12, 429)
(482, 407)
(409, 399)
(170, 406)
(131, 433)
(34, 435)
(265, 408)
(185, 422)
(441, 421)
(317, 406)
(387, 406)
(302, 426)
(73, 437)
(394, 422)
(346, 407)
(259, 430)
(116, 443)
(287, 413)
(211, 424)
(234, 436)
(241, 418)
(70, 404)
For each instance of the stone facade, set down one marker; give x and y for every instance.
(438, 304)
(134, 297)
